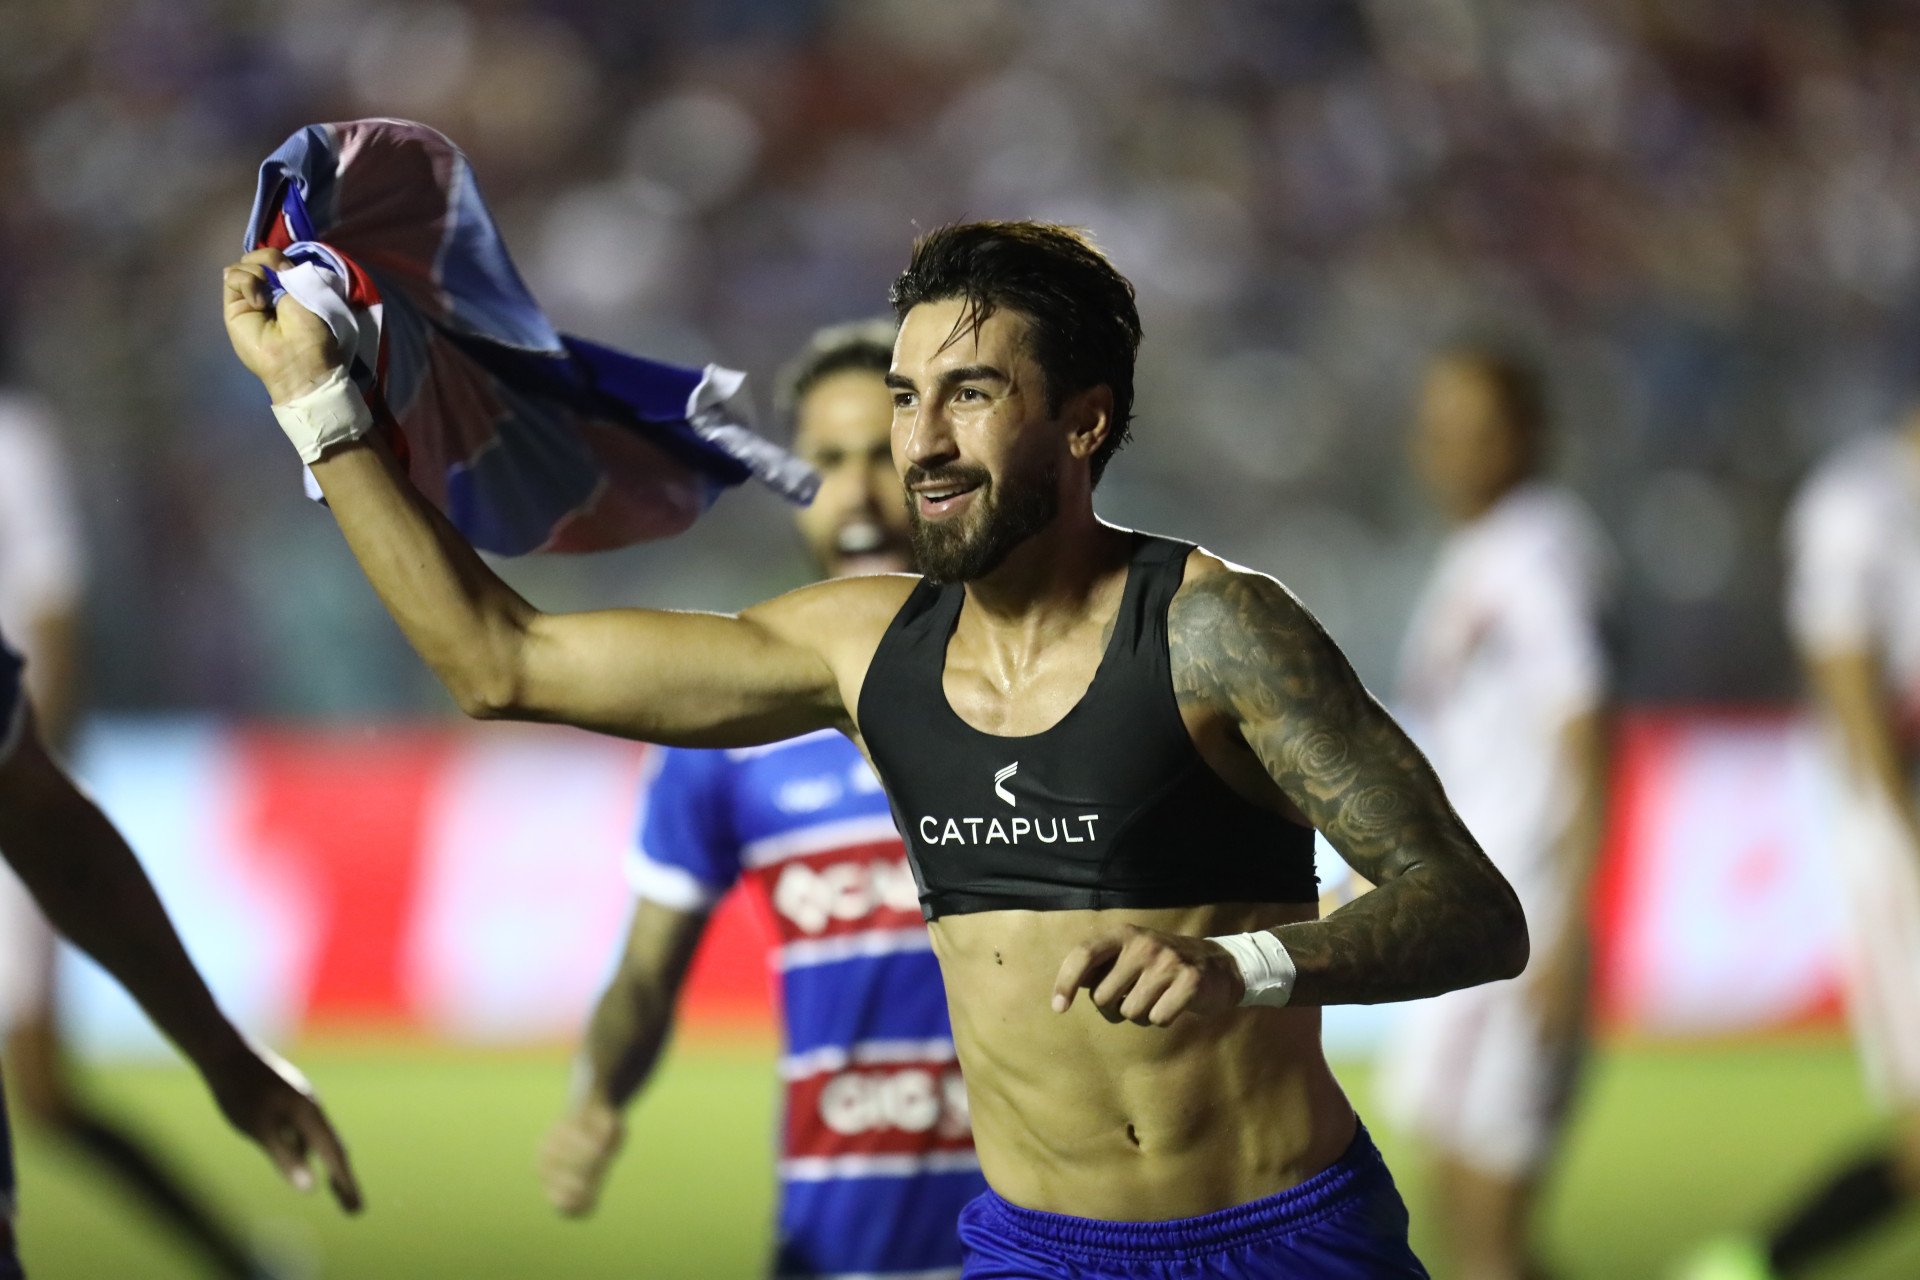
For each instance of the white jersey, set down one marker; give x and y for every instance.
(1505, 648)
(41, 561)
(1853, 550)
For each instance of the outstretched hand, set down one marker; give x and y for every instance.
(1147, 977)
(577, 1154)
(283, 344)
(265, 1097)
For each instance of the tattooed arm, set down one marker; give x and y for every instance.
(1244, 649)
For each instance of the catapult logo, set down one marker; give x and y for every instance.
(978, 831)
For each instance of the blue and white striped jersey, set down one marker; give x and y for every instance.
(876, 1153)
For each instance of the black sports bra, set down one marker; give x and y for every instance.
(1111, 807)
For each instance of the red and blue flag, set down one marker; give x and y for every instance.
(528, 439)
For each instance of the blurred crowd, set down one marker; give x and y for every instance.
(1700, 214)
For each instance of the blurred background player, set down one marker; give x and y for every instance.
(1505, 680)
(41, 581)
(877, 1157)
(76, 866)
(1853, 608)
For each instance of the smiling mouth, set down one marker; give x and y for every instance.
(945, 501)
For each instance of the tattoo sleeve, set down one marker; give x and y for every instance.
(1442, 916)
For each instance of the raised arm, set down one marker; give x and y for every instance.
(680, 678)
(1441, 915)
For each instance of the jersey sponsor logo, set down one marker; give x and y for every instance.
(813, 898)
(1011, 831)
(894, 1109)
(1000, 780)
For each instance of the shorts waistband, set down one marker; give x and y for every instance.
(1279, 1214)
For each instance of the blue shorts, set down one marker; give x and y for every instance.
(1347, 1222)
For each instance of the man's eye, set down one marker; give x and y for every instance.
(969, 393)
(903, 400)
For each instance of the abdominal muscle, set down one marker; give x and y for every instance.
(1074, 1114)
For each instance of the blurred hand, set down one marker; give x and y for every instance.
(283, 344)
(1149, 978)
(265, 1097)
(577, 1154)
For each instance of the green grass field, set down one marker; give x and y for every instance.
(1673, 1142)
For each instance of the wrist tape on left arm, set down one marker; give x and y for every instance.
(1265, 967)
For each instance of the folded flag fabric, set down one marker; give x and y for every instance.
(527, 438)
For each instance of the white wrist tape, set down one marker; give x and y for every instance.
(332, 413)
(1265, 967)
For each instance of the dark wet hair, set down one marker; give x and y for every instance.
(1083, 327)
(864, 345)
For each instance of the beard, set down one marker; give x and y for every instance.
(1004, 516)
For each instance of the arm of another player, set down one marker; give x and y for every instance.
(1558, 979)
(1440, 915)
(93, 889)
(624, 1038)
(1849, 687)
(680, 678)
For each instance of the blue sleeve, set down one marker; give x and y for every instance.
(686, 855)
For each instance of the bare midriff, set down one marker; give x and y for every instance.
(1074, 1114)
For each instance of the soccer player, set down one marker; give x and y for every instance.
(1505, 683)
(1106, 752)
(41, 579)
(91, 886)
(877, 1158)
(1853, 608)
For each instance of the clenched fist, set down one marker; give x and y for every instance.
(1149, 978)
(283, 344)
(576, 1155)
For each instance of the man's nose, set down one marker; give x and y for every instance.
(929, 438)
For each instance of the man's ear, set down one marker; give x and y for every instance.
(1089, 418)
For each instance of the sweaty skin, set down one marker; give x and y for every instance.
(1074, 1114)
(1156, 1097)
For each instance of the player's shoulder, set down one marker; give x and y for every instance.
(1548, 528)
(1854, 490)
(1537, 513)
(28, 432)
(1225, 614)
(838, 612)
(1212, 583)
(854, 597)
(1870, 466)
